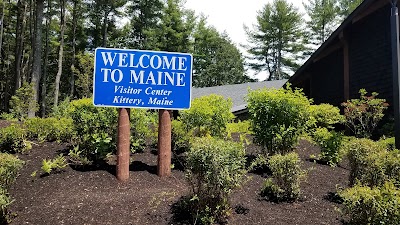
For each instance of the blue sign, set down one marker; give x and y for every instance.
(142, 79)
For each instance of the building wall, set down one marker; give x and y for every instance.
(370, 55)
(327, 79)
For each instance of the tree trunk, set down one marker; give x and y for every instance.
(37, 56)
(74, 24)
(19, 41)
(46, 62)
(105, 24)
(2, 27)
(60, 53)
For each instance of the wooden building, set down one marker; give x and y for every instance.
(357, 55)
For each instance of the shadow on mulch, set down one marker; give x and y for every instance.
(179, 162)
(180, 210)
(140, 166)
(262, 171)
(100, 166)
(333, 197)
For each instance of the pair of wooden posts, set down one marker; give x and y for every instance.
(123, 145)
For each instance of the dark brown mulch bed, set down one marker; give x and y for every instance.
(76, 196)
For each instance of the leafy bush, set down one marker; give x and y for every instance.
(324, 116)
(209, 115)
(371, 164)
(278, 117)
(143, 128)
(95, 128)
(54, 164)
(374, 206)
(9, 168)
(180, 137)
(242, 128)
(362, 115)
(13, 139)
(286, 177)
(5, 201)
(330, 143)
(214, 168)
(388, 143)
(62, 110)
(50, 129)
(21, 102)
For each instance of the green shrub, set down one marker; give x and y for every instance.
(9, 168)
(278, 117)
(21, 102)
(62, 110)
(13, 139)
(242, 128)
(374, 206)
(50, 129)
(208, 115)
(363, 114)
(5, 201)
(214, 168)
(95, 127)
(324, 116)
(388, 143)
(54, 164)
(371, 164)
(330, 143)
(286, 177)
(143, 128)
(180, 137)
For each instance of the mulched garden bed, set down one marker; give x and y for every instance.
(94, 196)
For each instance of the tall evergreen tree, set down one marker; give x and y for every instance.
(323, 19)
(144, 15)
(102, 15)
(348, 6)
(174, 29)
(217, 61)
(276, 40)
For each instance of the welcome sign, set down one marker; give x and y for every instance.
(142, 79)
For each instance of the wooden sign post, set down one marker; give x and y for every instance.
(123, 145)
(164, 143)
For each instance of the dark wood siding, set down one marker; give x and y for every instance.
(370, 55)
(327, 79)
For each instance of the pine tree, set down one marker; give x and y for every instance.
(323, 19)
(174, 30)
(276, 42)
(348, 6)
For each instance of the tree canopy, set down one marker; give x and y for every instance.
(276, 40)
